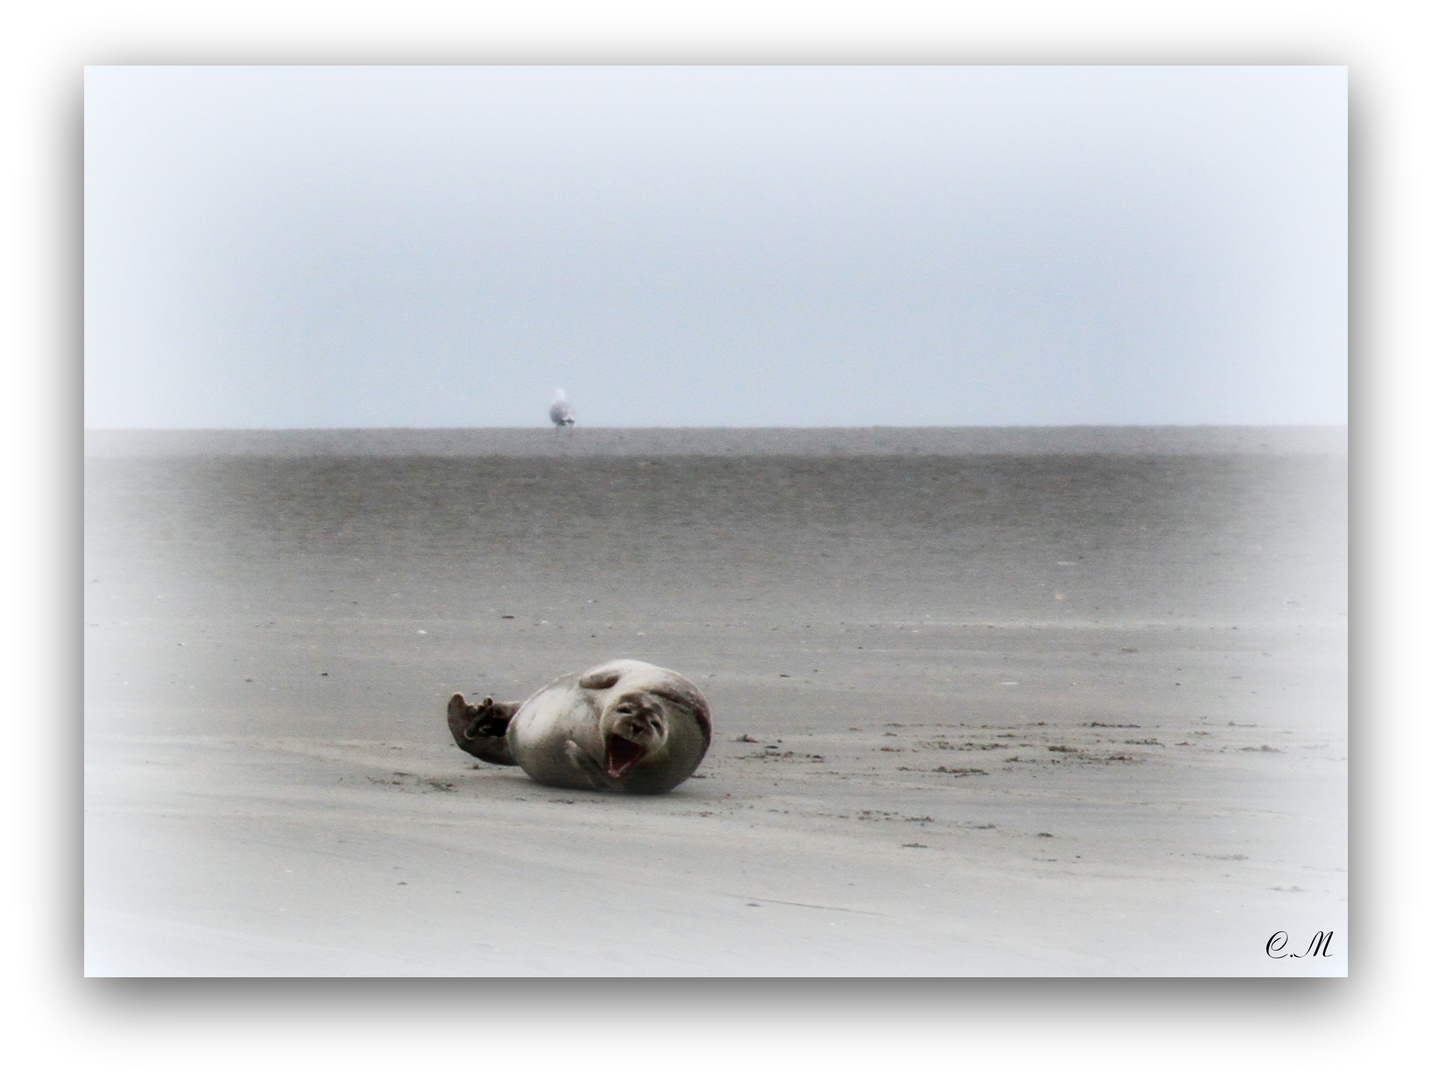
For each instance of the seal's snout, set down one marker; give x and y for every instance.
(638, 719)
(636, 728)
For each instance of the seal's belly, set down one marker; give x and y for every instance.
(539, 733)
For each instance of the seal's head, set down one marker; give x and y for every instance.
(634, 728)
(639, 729)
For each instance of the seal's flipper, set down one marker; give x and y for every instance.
(601, 679)
(481, 730)
(491, 717)
(589, 765)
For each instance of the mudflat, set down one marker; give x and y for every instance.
(986, 702)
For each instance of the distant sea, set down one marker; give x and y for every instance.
(719, 442)
(1184, 525)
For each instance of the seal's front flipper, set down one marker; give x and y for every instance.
(481, 730)
(589, 765)
(603, 678)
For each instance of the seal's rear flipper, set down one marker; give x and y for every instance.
(481, 730)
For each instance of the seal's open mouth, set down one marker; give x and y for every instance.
(622, 754)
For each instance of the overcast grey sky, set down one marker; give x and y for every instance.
(712, 246)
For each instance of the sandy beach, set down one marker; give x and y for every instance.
(1049, 702)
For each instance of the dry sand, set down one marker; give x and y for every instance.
(986, 703)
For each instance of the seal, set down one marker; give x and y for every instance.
(624, 726)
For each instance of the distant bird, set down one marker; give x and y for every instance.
(560, 412)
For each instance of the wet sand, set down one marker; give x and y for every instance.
(1029, 702)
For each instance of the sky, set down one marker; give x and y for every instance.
(347, 247)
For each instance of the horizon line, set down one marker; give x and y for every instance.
(727, 427)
